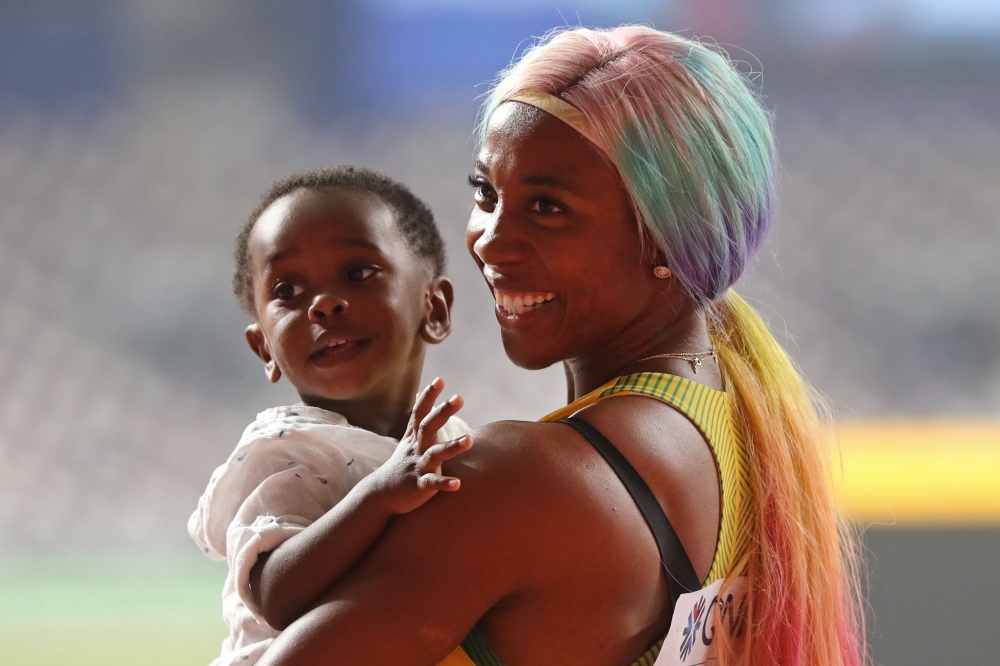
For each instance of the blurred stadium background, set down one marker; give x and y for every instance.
(136, 136)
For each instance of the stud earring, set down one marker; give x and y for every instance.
(661, 272)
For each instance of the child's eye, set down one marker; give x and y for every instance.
(360, 274)
(286, 291)
(484, 193)
(546, 206)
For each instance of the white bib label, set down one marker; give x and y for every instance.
(698, 619)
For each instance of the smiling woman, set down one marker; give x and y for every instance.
(624, 180)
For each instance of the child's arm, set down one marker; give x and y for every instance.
(285, 582)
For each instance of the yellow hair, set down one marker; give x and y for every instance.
(802, 565)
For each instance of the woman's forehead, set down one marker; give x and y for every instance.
(520, 138)
(512, 117)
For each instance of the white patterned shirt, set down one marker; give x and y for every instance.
(292, 465)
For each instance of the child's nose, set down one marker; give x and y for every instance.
(325, 305)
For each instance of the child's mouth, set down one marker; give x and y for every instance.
(337, 351)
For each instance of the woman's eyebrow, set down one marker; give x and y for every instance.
(532, 179)
(547, 181)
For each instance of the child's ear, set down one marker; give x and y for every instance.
(437, 319)
(258, 343)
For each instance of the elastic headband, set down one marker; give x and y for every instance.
(562, 110)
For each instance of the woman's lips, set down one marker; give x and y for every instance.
(517, 303)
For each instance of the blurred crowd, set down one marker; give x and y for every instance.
(126, 376)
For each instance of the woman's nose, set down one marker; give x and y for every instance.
(478, 239)
(493, 242)
(326, 305)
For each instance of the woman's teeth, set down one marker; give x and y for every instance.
(518, 304)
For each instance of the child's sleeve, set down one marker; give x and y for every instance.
(256, 458)
(287, 502)
(283, 505)
(308, 470)
(279, 480)
(335, 456)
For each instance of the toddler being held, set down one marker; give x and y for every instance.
(341, 271)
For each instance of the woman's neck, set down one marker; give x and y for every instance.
(627, 353)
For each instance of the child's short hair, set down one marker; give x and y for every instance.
(413, 217)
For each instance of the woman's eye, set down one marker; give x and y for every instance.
(286, 291)
(484, 193)
(360, 274)
(546, 206)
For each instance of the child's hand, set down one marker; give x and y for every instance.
(413, 474)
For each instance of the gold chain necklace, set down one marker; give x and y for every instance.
(694, 358)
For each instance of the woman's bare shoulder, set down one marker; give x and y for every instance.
(517, 452)
(483, 539)
(636, 423)
(525, 482)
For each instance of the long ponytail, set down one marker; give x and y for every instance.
(802, 563)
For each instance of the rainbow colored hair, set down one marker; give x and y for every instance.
(695, 151)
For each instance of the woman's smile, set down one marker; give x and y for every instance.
(517, 304)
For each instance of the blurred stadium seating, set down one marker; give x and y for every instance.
(134, 139)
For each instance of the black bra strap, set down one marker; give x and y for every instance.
(680, 573)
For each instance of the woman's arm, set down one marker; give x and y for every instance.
(286, 581)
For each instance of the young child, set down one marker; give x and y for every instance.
(341, 271)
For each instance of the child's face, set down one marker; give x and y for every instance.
(343, 306)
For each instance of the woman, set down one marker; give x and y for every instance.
(625, 178)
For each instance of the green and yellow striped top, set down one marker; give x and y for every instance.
(710, 411)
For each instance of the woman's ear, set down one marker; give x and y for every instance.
(258, 343)
(437, 318)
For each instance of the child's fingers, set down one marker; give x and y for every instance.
(440, 453)
(423, 404)
(435, 420)
(436, 482)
